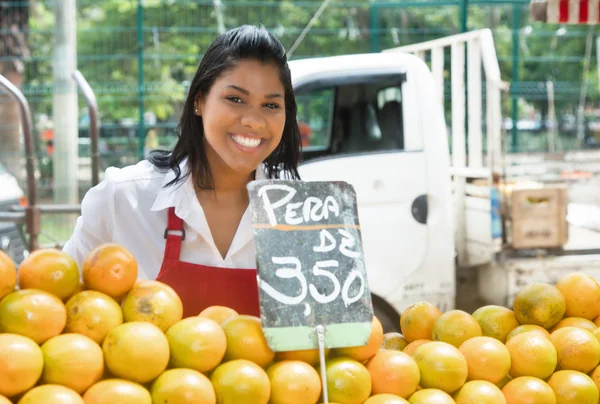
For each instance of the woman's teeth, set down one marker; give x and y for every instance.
(246, 141)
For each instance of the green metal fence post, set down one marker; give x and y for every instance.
(464, 11)
(373, 9)
(140, 45)
(515, 76)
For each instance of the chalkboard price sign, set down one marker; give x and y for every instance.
(311, 269)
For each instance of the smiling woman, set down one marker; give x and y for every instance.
(184, 213)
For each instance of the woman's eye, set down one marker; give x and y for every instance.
(235, 99)
(272, 106)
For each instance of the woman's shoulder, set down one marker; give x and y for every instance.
(140, 172)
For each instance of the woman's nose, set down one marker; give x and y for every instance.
(253, 119)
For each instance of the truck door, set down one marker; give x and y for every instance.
(361, 131)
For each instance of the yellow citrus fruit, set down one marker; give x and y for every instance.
(455, 327)
(416, 321)
(504, 381)
(412, 347)
(33, 313)
(50, 270)
(597, 321)
(4, 400)
(197, 343)
(540, 304)
(183, 386)
(363, 353)
(442, 366)
(136, 351)
(527, 389)
(542, 332)
(8, 274)
(218, 313)
(21, 364)
(531, 355)
(310, 356)
(496, 321)
(92, 314)
(579, 322)
(385, 399)
(117, 391)
(487, 359)
(577, 349)
(294, 382)
(582, 295)
(245, 340)
(479, 392)
(572, 387)
(72, 360)
(394, 341)
(51, 394)
(348, 381)
(110, 269)
(241, 381)
(431, 396)
(393, 372)
(153, 302)
(595, 375)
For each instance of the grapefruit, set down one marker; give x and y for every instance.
(92, 314)
(50, 270)
(385, 399)
(117, 391)
(241, 381)
(455, 327)
(154, 302)
(393, 372)
(528, 389)
(416, 321)
(411, 347)
(582, 295)
(197, 343)
(72, 360)
(577, 349)
(21, 364)
(110, 269)
(310, 356)
(8, 274)
(33, 313)
(348, 381)
(363, 353)
(183, 386)
(394, 341)
(579, 322)
(531, 355)
(487, 359)
(136, 351)
(528, 328)
(540, 304)
(294, 382)
(431, 396)
(572, 387)
(51, 394)
(479, 392)
(496, 321)
(245, 340)
(442, 366)
(218, 313)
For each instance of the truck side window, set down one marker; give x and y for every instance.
(315, 111)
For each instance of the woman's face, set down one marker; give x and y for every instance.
(243, 116)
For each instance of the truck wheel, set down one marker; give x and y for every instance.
(389, 318)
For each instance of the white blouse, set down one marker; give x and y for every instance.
(130, 206)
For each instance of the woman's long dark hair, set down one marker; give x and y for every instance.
(245, 42)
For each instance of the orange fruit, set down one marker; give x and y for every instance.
(310, 356)
(92, 314)
(363, 353)
(394, 341)
(595, 375)
(496, 321)
(411, 347)
(196, 343)
(487, 359)
(218, 313)
(393, 372)
(597, 321)
(582, 295)
(540, 304)
(241, 381)
(385, 399)
(579, 322)
(431, 396)
(479, 392)
(72, 360)
(183, 386)
(577, 349)
(21, 364)
(294, 382)
(117, 391)
(8, 274)
(153, 302)
(442, 366)
(348, 381)
(504, 381)
(50, 270)
(51, 394)
(110, 269)
(542, 332)
(528, 389)
(136, 351)
(416, 321)
(33, 313)
(455, 327)
(531, 355)
(245, 340)
(572, 387)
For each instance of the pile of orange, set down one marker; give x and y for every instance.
(105, 337)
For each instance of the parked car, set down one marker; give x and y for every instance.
(11, 236)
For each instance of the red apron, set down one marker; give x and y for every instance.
(201, 286)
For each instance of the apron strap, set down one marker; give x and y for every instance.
(175, 234)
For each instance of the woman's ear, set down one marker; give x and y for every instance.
(198, 106)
